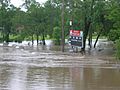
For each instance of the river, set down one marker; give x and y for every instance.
(46, 68)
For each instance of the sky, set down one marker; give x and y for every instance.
(17, 3)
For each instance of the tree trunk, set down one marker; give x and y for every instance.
(32, 39)
(103, 23)
(90, 31)
(87, 25)
(90, 37)
(37, 39)
(43, 39)
(98, 37)
(63, 35)
(86, 30)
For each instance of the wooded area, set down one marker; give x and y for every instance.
(94, 17)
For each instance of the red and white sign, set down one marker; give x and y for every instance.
(76, 38)
(75, 33)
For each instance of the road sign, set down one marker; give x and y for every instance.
(76, 38)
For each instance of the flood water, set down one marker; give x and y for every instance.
(33, 68)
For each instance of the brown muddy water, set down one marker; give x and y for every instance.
(33, 68)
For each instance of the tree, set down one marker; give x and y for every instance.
(6, 14)
(114, 13)
(57, 35)
(114, 16)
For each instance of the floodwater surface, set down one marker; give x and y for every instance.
(31, 68)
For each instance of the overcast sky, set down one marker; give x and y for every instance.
(17, 3)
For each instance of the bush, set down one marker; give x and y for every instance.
(17, 38)
(114, 34)
(118, 49)
(57, 35)
(1, 39)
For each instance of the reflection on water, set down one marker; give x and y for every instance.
(29, 78)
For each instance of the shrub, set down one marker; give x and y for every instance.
(57, 35)
(118, 49)
(114, 34)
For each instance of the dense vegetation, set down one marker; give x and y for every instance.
(100, 17)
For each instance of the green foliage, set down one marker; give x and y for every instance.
(7, 11)
(57, 35)
(114, 16)
(114, 34)
(118, 48)
(17, 38)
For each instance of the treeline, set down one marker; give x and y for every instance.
(94, 17)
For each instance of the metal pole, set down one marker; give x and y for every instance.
(63, 35)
